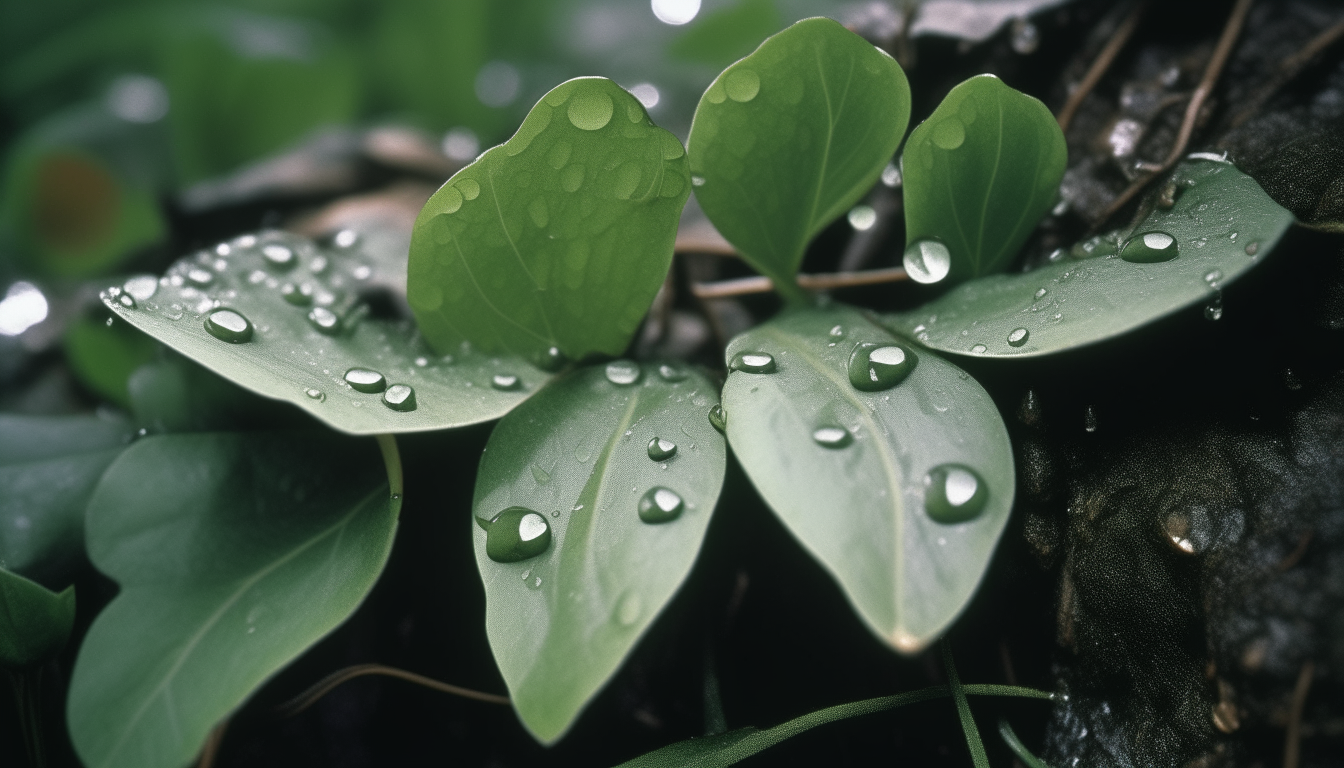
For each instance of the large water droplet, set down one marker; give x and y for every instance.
(623, 372)
(141, 287)
(504, 381)
(126, 301)
(228, 325)
(949, 134)
(927, 261)
(1150, 248)
(298, 295)
(399, 397)
(661, 450)
(365, 380)
(874, 367)
(742, 84)
(590, 110)
(515, 534)
(200, 277)
(753, 362)
(279, 256)
(718, 418)
(660, 505)
(832, 437)
(1018, 336)
(954, 493)
(550, 360)
(324, 320)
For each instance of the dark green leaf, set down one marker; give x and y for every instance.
(980, 173)
(103, 356)
(560, 237)
(234, 554)
(288, 355)
(49, 466)
(34, 621)
(879, 484)
(578, 455)
(173, 394)
(1223, 224)
(787, 139)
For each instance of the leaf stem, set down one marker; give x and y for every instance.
(973, 742)
(324, 686)
(743, 286)
(392, 461)
(1019, 749)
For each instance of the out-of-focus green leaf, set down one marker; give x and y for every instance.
(306, 327)
(34, 621)
(234, 554)
(980, 173)
(173, 394)
(49, 466)
(619, 469)
(891, 466)
(1221, 225)
(103, 356)
(723, 36)
(558, 238)
(789, 138)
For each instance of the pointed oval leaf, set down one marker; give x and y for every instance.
(307, 325)
(1222, 225)
(560, 237)
(980, 173)
(855, 473)
(34, 621)
(578, 455)
(234, 554)
(789, 138)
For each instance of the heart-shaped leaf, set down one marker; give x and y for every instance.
(890, 465)
(1221, 225)
(558, 238)
(596, 494)
(49, 466)
(279, 316)
(979, 174)
(234, 554)
(789, 138)
(34, 621)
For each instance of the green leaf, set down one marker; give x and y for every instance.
(980, 173)
(103, 357)
(720, 37)
(789, 138)
(34, 621)
(560, 237)
(728, 748)
(289, 355)
(49, 466)
(579, 454)
(1223, 224)
(879, 483)
(234, 554)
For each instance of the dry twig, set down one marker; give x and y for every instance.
(743, 286)
(1292, 743)
(1101, 64)
(324, 686)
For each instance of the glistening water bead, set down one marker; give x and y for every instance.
(753, 362)
(228, 325)
(927, 261)
(504, 381)
(874, 367)
(515, 534)
(324, 320)
(1150, 248)
(399, 397)
(832, 437)
(660, 505)
(718, 418)
(623, 372)
(954, 493)
(661, 450)
(365, 380)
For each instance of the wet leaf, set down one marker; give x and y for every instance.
(234, 554)
(890, 465)
(578, 460)
(307, 325)
(1222, 224)
(49, 466)
(560, 237)
(980, 173)
(789, 138)
(34, 621)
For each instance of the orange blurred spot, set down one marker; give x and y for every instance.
(75, 203)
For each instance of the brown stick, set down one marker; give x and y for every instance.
(1101, 64)
(743, 286)
(1292, 744)
(324, 686)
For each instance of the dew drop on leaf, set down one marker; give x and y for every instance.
(832, 437)
(228, 325)
(623, 372)
(718, 418)
(365, 380)
(298, 295)
(142, 287)
(324, 320)
(954, 493)
(516, 534)
(315, 394)
(661, 450)
(504, 381)
(660, 505)
(399, 397)
(279, 256)
(1018, 336)
(927, 261)
(1150, 248)
(742, 85)
(671, 373)
(874, 367)
(753, 362)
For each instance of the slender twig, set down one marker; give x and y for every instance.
(1101, 64)
(973, 742)
(1212, 71)
(818, 282)
(324, 686)
(1292, 744)
(1290, 68)
(212, 744)
(1019, 749)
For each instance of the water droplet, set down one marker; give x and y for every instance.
(315, 394)
(660, 505)
(862, 217)
(837, 331)
(550, 360)
(718, 418)
(540, 475)
(126, 301)
(1040, 294)
(623, 372)
(949, 134)
(1252, 248)
(927, 261)
(661, 450)
(1214, 309)
(1018, 336)
(979, 349)
(874, 367)
(399, 397)
(470, 188)
(1150, 248)
(1025, 37)
(832, 437)
(279, 256)
(590, 109)
(516, 534)
(1232, 237)
(753, 362)
(298, 295)
(697, 181)
(504, 381)
(628, 608)
(891, 175)
(200, 277)
(1089, 419)
(671, 373)
(141, 287)
(324, 320)
(954, 493)
(742, 84)
(228, 325)
(345, 238)
(365, 380)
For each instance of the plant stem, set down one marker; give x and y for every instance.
(973, 742)
(392, 461)
(817, 282)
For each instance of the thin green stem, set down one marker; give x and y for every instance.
(973, 742)
(1019, 749)
(392, 460)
